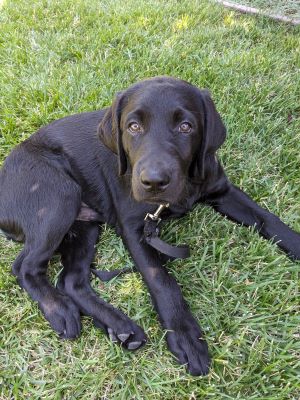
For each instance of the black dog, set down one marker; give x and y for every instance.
(155, 145)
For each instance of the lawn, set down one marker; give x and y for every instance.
(63, 57)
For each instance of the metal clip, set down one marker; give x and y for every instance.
(155, 216)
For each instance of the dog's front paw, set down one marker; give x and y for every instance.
(294, 254)
(187, 344)
(63, 316)
(123, 330)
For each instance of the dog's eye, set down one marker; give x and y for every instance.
(185, 127)
(134, 127)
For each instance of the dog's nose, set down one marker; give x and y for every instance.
(154, 181)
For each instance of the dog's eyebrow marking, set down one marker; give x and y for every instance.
(34, 187)
(41, 211)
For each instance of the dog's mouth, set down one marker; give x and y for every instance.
(157, 201)
(157, 198)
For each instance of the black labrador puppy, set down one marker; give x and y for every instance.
(155, 145)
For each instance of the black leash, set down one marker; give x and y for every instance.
(106, 276)
(151, 237)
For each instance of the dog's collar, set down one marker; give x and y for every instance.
(151, 236)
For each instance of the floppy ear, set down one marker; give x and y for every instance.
(110, 133)
(214, 132)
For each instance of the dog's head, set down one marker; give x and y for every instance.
(164, 130)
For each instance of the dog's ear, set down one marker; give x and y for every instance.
(213, 132)
(110, 133)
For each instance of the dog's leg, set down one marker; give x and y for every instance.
(58, 309)
(238, 207)
(40, 245)
(78, 250)
(44, 205)
(16, 267)
(183, 335)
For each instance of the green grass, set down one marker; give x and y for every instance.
(63, 57)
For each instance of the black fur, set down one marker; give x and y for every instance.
(156, 144)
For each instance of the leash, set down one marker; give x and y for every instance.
(151, 237)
